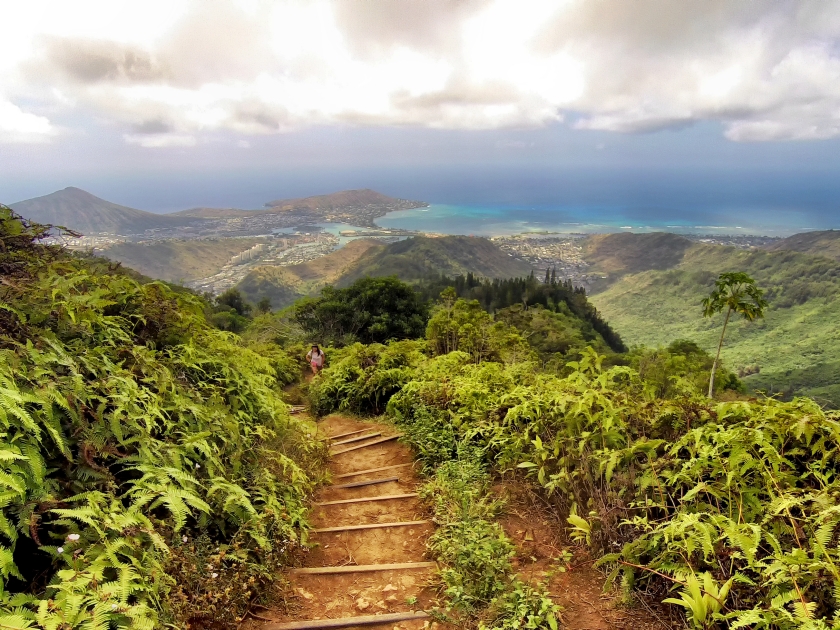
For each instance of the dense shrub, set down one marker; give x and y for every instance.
(738, 499)
(136, 440)
(729, 507)
(361, 379)
(371, 310)
(551, 294)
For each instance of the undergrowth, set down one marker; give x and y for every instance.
(149, 473)
(728, 510)
(479, 582)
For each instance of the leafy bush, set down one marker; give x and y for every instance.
(371, 310)
(741, 495)
(458, 324)
(476, 553)
(129, 425)
(551, 294)
(362, 378)
(682, 366)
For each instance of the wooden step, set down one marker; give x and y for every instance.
(346, 622)
(341, 435)
(362, 568)
(372, 470)
(372, 482)
(351, 528)
(374, 443)
(386, 497)
(356, 439)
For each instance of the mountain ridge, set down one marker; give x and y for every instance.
(419, 257)
(84, 212)
(794, 350)
(819, 243)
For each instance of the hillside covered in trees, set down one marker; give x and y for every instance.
(718, 512)
(794, 350)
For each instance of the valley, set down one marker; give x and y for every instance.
(648, 286)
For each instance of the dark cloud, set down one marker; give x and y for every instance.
(98, 61)
(152, 126)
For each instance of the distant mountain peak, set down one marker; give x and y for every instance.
(86, 213)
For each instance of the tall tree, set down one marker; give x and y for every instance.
(734, 292)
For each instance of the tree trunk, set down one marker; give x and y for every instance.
(717, 356)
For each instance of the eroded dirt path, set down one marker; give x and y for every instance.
(364, 588)
(358, 584)
(542, 547)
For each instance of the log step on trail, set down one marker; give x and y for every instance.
(341, 435)
(387, 497)
(372, 470)
(362, 568)
(383, 560)
(356, 439)
(359, 484)
(374, 443)
(351, 528)
(347, 622)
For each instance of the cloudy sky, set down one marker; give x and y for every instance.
(136, 96)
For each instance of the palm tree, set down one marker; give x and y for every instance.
(734, 292)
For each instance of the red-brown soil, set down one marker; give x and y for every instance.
(538, 533)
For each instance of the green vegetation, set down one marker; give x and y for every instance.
(822, 243)
(371, 310)
(419, 258)
(729, 507)
(683, 364)
(151, 475)
(734, 292)
(556, 329)
(568, 304)
(283, 285)
(794, 350)
(179, 260)
(478, 578)
(229, 311)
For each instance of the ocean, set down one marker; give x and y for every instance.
(505, 200)
(493, 220)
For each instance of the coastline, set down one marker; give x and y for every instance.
(509, 221)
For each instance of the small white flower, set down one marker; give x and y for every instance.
(60, 550)
(214, 575)
(198, 465)
(113, 606)
(73, 537)
(184, 538)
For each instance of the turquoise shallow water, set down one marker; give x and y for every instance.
(486, 220)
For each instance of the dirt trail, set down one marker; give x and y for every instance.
(377, 592)
(321, 597)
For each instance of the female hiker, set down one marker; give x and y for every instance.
(315, 358)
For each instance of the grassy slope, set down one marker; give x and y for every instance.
(283, 285)
(797, 346)
(616, 255)
(417, 258)
(824, 243)
(179, 260)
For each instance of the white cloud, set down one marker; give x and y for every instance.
(160, 140)
(168, 72)
(17, 125)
